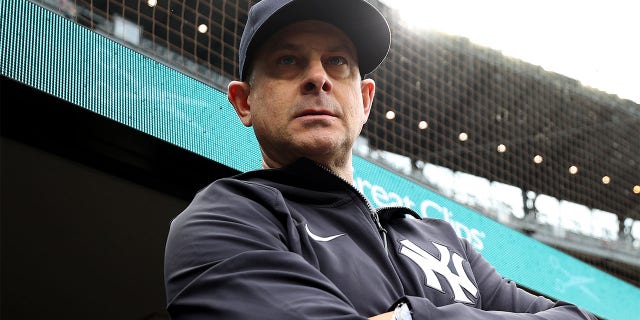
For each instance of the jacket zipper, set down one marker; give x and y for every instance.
(372, 211)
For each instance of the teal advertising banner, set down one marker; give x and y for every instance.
(52, 54)
(57, 56)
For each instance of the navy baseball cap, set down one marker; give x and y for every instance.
(362, 22)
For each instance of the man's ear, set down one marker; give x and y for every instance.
(238, 94)
(368, 87)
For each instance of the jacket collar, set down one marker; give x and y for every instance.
(302, 173)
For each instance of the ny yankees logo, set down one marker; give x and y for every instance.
(430, 265)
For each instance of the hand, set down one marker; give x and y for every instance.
(384, 316)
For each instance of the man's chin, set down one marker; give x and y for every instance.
(322, 150)
(318, 144)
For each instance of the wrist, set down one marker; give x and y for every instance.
(402, 312)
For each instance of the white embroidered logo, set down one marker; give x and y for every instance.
(430, 265)
(319, 238)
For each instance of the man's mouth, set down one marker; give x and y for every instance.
(315, 112)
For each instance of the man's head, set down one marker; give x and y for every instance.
(303, 92)
(363, 23)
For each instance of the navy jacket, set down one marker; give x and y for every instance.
(301, 243)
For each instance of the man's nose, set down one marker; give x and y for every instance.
(316, 78)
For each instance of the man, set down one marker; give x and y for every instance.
(296, 240)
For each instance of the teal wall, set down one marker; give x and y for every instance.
(54, 55)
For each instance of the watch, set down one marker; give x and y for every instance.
(402, 312)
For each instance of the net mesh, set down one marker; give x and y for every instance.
(440, 101)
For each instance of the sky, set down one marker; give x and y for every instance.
(594, 42)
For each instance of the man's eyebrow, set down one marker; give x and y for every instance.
(342, 47)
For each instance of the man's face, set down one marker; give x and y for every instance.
(306, 97)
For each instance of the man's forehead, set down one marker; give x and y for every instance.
(295, 37)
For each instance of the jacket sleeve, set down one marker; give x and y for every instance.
(502, 300)
(227, 257)
(424, 309)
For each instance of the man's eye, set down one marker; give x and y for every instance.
(337, 61)
(287, 60)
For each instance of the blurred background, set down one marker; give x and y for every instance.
(546, 151)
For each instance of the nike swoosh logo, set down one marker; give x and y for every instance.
(319, 238)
